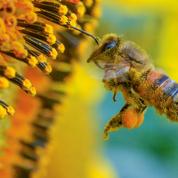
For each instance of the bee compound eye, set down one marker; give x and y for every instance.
(110, 45)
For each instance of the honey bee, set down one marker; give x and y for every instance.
(128, 68)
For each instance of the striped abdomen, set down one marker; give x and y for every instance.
(159, 90)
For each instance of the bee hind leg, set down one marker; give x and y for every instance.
(129, 117)
(114, 124)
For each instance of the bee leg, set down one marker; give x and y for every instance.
(133, 113)
(114, 124)
(129, 117)
(114, 96)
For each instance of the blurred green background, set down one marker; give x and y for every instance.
(150, 151)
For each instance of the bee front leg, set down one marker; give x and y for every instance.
(129, 117)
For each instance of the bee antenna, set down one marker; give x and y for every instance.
(88, 34)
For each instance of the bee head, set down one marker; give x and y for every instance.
(116, 53)
(105, 53)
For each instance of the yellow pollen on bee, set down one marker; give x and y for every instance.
(48, 29)
(32, 61)
(63, 10)
(10, 110)
(10, 72)
(33, 91)
(27, 84)
(53, 53)
(61, 48)
(51, 39)
(4, 83)
(130, 118)
(3, 112)
(63, 20)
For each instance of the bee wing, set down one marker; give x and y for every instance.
(134, 52)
